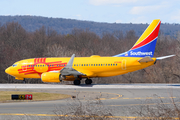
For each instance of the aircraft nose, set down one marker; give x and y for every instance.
(8, 71)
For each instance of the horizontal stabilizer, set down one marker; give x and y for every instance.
(164, 57)
(145, 59)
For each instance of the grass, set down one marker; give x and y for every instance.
(5, 96)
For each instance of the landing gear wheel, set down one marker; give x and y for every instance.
(77, 82)
(24, 81)
(88, 81)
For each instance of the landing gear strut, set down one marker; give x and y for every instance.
(24, 81)
(88, 81)
(77, 82)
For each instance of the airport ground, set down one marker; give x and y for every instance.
(121, 100)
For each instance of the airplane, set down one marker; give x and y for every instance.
(75, 69)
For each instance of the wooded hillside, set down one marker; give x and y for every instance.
(65, 26)
(16, 44)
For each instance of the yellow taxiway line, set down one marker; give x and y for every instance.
(86, 116)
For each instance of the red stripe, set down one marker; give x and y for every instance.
(43, 60)
(26, 68)
(150, 38)
(58, 62)
(34, 60)
(27, 71)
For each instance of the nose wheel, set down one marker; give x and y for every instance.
(88, 81)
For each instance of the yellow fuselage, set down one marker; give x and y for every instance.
(94, 66)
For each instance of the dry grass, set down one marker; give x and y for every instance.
(5, 96)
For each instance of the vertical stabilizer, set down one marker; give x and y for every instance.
(145, 45)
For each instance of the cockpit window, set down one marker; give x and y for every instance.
(14, 65)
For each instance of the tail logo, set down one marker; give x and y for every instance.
(145, 46)
(141, 53)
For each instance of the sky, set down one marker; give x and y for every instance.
(110, 11)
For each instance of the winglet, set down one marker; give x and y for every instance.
(69, 70)
(164, 57)
(70, 63)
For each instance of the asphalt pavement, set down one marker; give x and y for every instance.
(121, 100)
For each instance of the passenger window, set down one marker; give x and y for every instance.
(116, 64)
(108, 64)
(91, 64)
(82, 65)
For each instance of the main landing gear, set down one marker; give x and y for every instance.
(77, 82)
(24, 81)
(88, 81)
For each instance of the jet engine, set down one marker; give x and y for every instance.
(50, 77)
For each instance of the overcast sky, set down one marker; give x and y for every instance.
(111, 11)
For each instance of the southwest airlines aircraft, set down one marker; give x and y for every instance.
(76, 68)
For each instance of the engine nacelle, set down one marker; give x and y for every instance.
(50, 77)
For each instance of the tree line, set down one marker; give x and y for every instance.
(65, 26)
(16, 44)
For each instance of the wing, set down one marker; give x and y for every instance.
(69, 70)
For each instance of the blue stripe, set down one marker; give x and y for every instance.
(146, 50)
